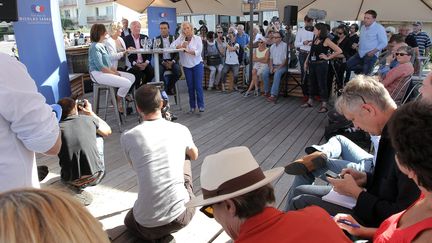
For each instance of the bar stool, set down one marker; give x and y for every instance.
(176, 95)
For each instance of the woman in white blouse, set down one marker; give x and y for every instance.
(116, 46)
(192, 63)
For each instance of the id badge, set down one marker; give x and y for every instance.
(313, 58)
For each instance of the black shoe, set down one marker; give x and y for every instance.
(310, 149)
(42, 172)
(173, 117)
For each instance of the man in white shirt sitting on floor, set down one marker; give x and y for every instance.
(156, 150)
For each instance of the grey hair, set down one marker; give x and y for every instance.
(187, 23)
(240, 26)
(362, 89)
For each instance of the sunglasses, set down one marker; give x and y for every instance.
(208, 211)
(340, 33)
(276, 37)
(350, 93)
(220, 32)
(401, 54)
(260, 42)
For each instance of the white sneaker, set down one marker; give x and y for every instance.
(246, 94)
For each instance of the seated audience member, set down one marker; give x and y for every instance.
(395, 78)
(241, 199)
(411, 135)
(81, 154)
(213, 59)
(277, 67)
(27, 125)
(426, 88)
(231, 61)
(140, 63)
(156, 149)
(387, 60)
(261, 56)
(168, 61)
(116, 48)
(379, 191)
(100, 65)
(47, 216)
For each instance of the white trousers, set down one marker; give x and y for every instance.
(212, 80)
(123, 82)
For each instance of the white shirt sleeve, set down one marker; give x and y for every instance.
(30, 118)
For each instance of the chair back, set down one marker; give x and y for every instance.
(401, 89)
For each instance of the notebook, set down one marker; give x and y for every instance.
(339, 199)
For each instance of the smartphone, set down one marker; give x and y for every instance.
(333, 175)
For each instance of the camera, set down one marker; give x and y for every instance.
(80, 103)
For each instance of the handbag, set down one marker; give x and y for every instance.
(214, 60)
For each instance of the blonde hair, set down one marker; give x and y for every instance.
(364, 89)
(49, 216)
(114, 27)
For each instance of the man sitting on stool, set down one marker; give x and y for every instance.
(168, 61)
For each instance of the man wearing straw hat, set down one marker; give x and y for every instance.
(241, 199)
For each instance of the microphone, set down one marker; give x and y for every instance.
(316, 14)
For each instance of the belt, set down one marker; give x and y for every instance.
(303, 51)
(319, 61)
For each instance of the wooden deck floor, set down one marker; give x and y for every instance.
(275, 133)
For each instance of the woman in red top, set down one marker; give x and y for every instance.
(411, 134)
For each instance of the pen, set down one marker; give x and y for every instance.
(347, 222)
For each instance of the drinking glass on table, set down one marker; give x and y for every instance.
(158, 42)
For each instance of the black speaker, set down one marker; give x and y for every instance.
(290, 15)
(8, 10)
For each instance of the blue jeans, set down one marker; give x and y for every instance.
(363, 65)
(171, 79)
(194, 78)
(337, 147)
(276, 80)
(100, 147)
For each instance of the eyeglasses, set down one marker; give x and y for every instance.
(207, 210)
(402, 54)
(350, 93)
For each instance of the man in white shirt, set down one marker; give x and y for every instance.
(156, 149)
(27, 125)
(303, 42)
(277, 67)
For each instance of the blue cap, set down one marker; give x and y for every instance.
(57, 110)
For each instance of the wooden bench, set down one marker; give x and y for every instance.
(229, 78)
(77, 84)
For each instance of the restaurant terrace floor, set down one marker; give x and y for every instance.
(275, 133)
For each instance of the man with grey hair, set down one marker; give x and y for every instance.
(379, 192)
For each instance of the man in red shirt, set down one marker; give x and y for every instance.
(241, 199)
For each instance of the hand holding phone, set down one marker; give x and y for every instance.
(333, 175)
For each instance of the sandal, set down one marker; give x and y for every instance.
(306, 105)
(323, 109)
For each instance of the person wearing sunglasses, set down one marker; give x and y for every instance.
(395, 78)
(260, 60)
(241, 199)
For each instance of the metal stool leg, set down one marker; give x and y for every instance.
(95, 98)
(116, 111)
(107, 93)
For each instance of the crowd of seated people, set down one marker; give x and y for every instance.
(390, 184)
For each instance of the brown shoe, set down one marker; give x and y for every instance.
(308, 163)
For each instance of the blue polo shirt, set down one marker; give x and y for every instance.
(242, 40)
(371, 37)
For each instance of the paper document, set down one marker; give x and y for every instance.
(339, 199)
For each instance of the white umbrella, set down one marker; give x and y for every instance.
(222, 7)
(388, 10)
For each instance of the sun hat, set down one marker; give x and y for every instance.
(417, 23)
(390, 29)
(231, 173)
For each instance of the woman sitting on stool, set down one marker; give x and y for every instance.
(100, 66)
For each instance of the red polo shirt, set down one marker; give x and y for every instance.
(311, 224)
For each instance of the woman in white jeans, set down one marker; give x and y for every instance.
(213, 59)
(100, 66)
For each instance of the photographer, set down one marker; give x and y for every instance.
(81, 154)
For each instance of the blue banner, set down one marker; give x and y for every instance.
(40, 44)
(156, 15)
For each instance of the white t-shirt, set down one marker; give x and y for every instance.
(27, 125)
(156, 150)
(231, 57)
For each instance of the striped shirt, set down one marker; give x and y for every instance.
(423, 41)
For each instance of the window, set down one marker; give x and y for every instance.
(67, 14)
(109, 11)
(97, 11)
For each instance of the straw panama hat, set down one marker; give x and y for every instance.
(230, 173)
